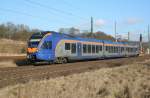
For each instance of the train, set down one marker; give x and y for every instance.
(55, 47)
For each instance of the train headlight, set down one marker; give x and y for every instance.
(32, 50)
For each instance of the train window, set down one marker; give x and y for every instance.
(122, 49)
(117, 49)
(114, 49)
(106, 48)
(97, 48)
(132, 49)
(84, 48)
(93, 48)
(47, 45)
(73, 48)
(100, 48)
(111, 49)
(136, 49)
(33, 44)
(127, 49)
(67, 46)
(89, 48)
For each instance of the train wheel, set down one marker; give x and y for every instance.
(61, 60)
(64, 60)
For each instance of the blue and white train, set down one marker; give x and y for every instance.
(60, 48)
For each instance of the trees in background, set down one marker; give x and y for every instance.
(15, 32)
(86, 34)
(71, 31)
(97, 35)
(23, 32)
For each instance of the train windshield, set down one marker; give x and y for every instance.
(33, 44)
(34, 40)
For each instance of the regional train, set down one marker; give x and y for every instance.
(57, 47)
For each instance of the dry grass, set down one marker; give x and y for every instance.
(9, 63)
(131, 81)
(11, 46)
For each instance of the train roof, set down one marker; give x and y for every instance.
(67, 36)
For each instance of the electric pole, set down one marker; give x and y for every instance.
(128, 36)
(115, 31)
(91, 25)
(148, 34)
(141, 48)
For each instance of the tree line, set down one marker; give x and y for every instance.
(15, 32)
(23, 32)
(86, 34)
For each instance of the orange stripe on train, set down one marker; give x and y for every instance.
(83, 42)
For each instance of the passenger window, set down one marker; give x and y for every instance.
(100, 48)
(106, 48)
(84, 48)
(93, 48)
(114, 49)
(89, 48)
(73, 48)
(67, 46)
(111, 49)
(97, 48)
(117, 50)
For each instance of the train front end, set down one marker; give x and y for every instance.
(40, 47)
(32, 48)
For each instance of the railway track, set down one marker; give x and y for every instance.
(23, 74)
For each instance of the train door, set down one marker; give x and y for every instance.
(103, 49)
(79, 49)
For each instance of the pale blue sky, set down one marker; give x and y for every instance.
(131, 15)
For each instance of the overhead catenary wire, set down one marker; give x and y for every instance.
(69, 4)
(55, 9)
(40, 18)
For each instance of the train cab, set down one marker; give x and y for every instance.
(33, 45)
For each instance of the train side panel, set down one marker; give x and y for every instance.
(80, 52)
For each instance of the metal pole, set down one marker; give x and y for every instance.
(91, 25)
(128, 36)
(141, 48)
(148, 50)
(116, 31)
(148, 34)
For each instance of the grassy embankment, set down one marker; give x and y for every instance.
(11, 47)
(131, 81)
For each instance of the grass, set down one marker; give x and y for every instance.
(12, 47)
(8, 63)
(131, 81)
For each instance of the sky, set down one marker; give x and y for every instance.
(130, 15)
